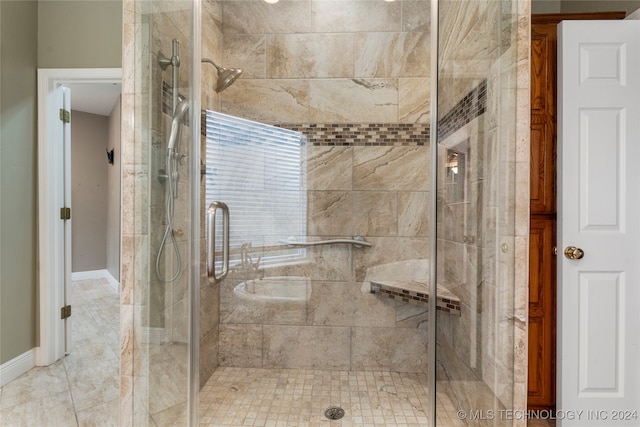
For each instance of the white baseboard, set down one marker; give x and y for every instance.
(17, 366)
(97, 274)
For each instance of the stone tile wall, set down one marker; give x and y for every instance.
(358, 89)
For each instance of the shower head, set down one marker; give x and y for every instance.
(226, 76)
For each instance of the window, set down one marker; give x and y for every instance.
(259, 171)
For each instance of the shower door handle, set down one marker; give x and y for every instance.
(211, 241)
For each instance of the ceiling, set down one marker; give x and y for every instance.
(95, 98)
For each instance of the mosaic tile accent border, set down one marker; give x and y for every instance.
(363, 134)
(468, 108)
(381, 134)
(447, 304)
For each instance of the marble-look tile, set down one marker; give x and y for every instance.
(209, 309)
(353, 100)
(329, 168)
(126, 341)
(127, 245)
(241, 345)
(83, 325)
(209, 354)
(49, 411)
(348, 304)
(296, 56)
(236, 307)
(246, 51)
(391, 168)
(174, 416)
(102, 415)
(332, 262)
(269, 101)
(309, 347)
(86, 352)
(395, 349)
(262, 18)
(211, 27)
(94, 384)
(413, 213)
(377, 213)
(384, 250)
(341, 17)
(168, 380)
(414, 105)
(416, 15)
(180, 321)
(139, 398)
(36, 384)
(392, 55)
(330, 213)
(412, 316)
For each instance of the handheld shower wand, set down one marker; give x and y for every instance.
(180, 108)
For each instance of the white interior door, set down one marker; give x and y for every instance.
(65, 136)
(599, 213)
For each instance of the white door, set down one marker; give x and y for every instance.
(63, 141)
(64, 134)
(599, 214)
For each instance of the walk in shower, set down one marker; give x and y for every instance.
(315, 204)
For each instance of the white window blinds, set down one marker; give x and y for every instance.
(259, 171)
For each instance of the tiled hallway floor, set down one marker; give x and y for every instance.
(81, 389)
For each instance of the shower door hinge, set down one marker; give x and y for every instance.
(65, 115)
(65, 312)
(65, 213)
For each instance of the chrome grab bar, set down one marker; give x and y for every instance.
(357, 242)
(211, 241)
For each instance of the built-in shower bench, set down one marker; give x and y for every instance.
(417, 293)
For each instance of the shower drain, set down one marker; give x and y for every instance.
(334, 413)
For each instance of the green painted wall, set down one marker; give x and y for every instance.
(80, 34)
(18, 177)
(45, 34)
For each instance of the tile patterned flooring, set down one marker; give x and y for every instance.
(82, 389)
(299, 397)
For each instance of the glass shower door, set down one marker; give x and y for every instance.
(482, 212)
(320, 150)
(163, 261)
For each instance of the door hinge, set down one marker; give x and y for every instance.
(65, 115)
(65, 213)
(65, 312)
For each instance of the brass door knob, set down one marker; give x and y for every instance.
(571, 252)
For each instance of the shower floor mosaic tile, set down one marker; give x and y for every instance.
(235, 397)
(299, 397)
